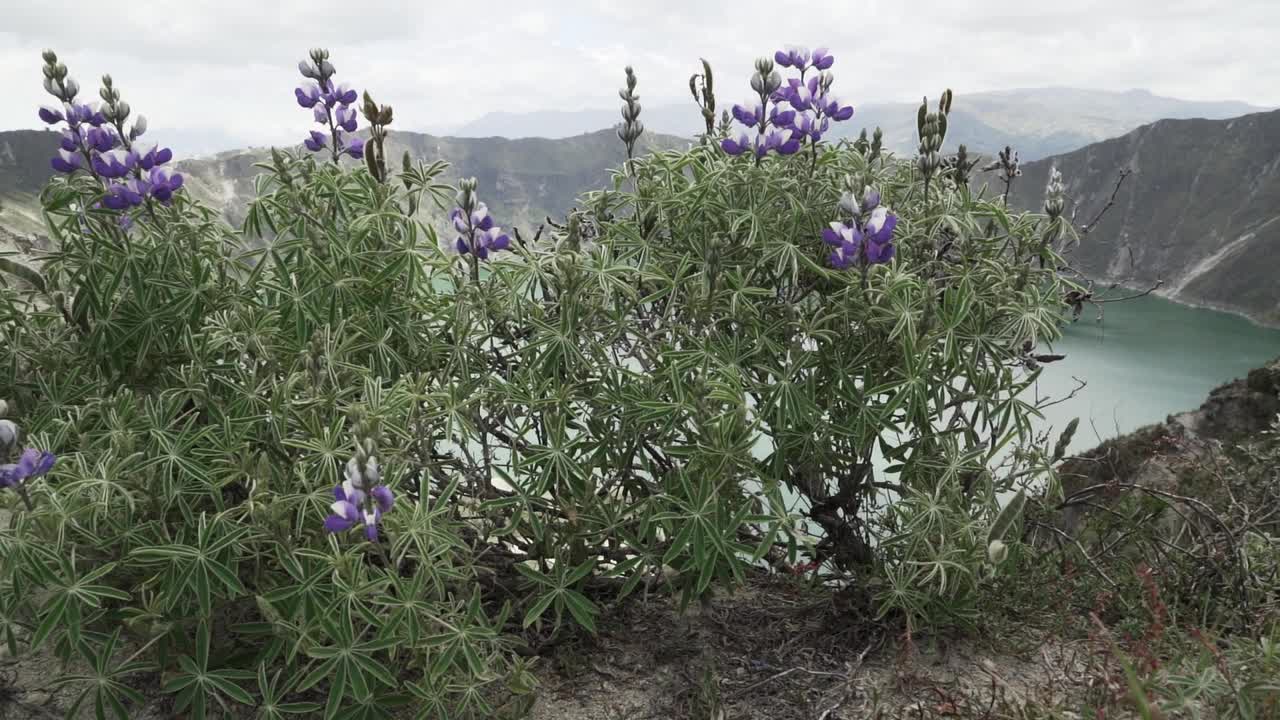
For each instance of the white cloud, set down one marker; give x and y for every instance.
(228, 67)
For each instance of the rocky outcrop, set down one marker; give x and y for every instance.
(1168, 456)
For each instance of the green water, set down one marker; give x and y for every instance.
(1148, 358)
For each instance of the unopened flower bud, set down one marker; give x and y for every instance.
(50, 57)
(848, 206)
(997, 552)
(774, 82)
(8, 434)
(71, 87)
(139, 127)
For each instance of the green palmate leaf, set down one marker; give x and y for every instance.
(582, 609)
(1008, 515)
(23, 272)
(539, 607)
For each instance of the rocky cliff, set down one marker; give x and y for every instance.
(1200, 212)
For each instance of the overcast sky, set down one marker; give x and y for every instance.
(224, 71)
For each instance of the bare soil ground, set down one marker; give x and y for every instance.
(776, 648)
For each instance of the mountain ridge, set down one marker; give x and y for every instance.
(522, 180)
(1037, 122)
(1200, 213)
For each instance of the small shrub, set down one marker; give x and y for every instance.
(337, 460)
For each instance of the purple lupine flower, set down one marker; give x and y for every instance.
(801, 59)
(831, 107)
(870, 199)
(823, 59)
(354, 506)
(121, 196)
(164, 183)
(345, 513)
(65, 162)
(316, 141)
(781, 118)
(846, 240)
(115, 163)
(736, 146)
(793, 57)
(772, 125)
(308, 95)
(879, 236)
(105, 148)
(78, 113)
(477, 233)
(345, 118)
(383, 498)
(809, 97)
(799, 94)
(341, 95)
(31, 464)
(782, 140)
(330, 106)
(748, 115)
(491, 240)
(806, 125)
(867, 238)
(153, 156)
(99, 139)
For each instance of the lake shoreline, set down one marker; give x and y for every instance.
(1199, 305)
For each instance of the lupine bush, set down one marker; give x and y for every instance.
(334, 460)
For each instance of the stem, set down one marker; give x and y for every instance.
(26, 499)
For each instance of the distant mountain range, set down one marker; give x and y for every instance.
(522, 181)
(1201, 210)
(1036, 122)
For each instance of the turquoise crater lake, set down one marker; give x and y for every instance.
(1149, 358)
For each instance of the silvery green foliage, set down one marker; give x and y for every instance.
(690, 395)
